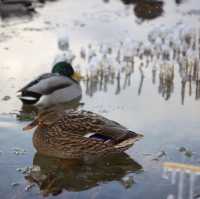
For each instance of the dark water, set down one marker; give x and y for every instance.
(157, 98)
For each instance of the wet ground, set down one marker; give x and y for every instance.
(148, 89)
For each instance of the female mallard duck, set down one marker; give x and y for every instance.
(75, 134)
(59, 86)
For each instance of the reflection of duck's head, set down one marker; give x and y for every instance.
(54, 175)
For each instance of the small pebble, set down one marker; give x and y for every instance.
(29, 187)
(197, 196)
(188, 153)
(159, 155)
(14, 184)
(19, 169)
(24, 170)
(147, 154)
(155, 159)
(18, 151)
(6, 98)
(182, 149)
(128, 181)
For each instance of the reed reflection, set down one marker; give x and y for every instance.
(166, 81)
(53, 176)
(141, 79)
(102, 82)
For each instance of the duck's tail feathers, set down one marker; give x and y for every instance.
(125, 144)
(29, 97)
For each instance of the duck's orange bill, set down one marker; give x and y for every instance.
(31, 125)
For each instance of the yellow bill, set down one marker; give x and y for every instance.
(77, 76)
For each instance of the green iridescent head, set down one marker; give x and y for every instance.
(63, 68)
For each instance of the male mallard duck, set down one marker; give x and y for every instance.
(75, 134)
(59, 86)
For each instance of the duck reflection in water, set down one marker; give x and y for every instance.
(9, 9)
(53, 175)
(189, 72)
(28, 113)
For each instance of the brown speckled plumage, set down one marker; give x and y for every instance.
(64, 134)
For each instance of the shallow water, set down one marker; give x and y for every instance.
(169, 120)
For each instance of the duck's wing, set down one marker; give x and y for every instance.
(87, 138)
(66, 142)
(91, 125)
(47, 84)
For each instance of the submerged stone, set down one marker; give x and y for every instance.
(6, 98)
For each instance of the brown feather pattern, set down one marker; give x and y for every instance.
(62, 134)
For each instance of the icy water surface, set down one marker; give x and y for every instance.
(156, 95)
